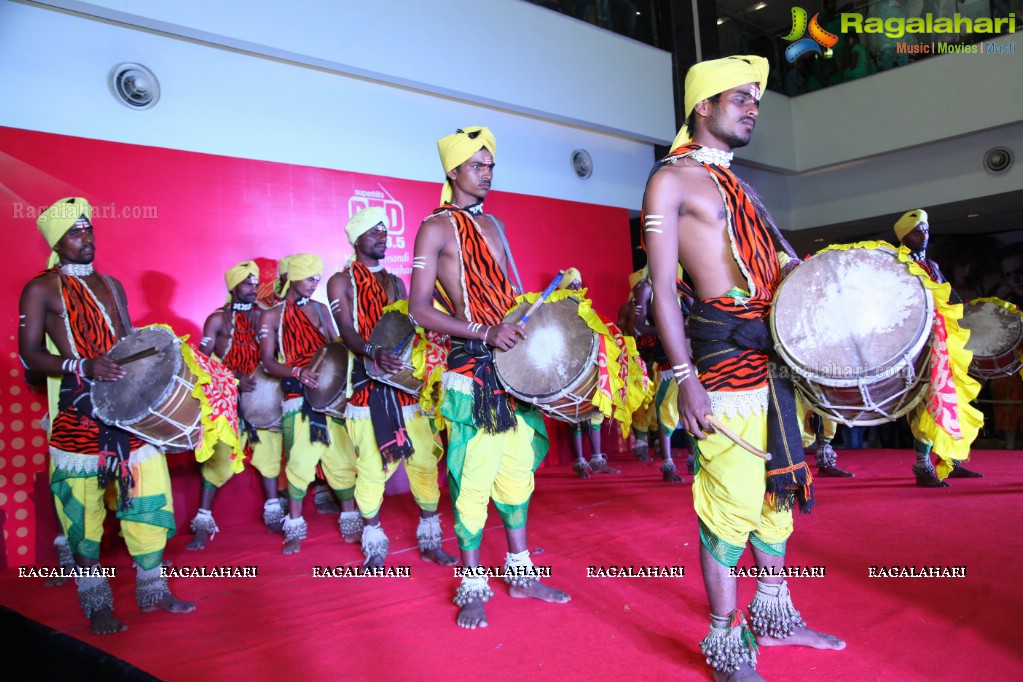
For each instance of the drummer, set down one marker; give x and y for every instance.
(951, 442)
(81, 314)
(229, 334)
(495, 443)
(573, 281)
(377, 412)
(289, 334)
(696, 213)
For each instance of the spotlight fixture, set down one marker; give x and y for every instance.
(582, 164)
(998, 160)
(134, 86)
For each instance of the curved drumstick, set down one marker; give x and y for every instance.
(736, 438)
(543, 297)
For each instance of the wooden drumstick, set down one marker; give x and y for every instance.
(543, 297)
(145, 353)
(736, 438)
(315, 364)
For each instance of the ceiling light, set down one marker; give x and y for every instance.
(134, 86)
(758, 6)
(721, 20)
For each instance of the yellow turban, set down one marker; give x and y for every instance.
(364, 221)
(457, 148)
(908, 222)
(301, 266)
(239, 274)
(59, 218)
(714, 76)
(570, 276)
(282, 266)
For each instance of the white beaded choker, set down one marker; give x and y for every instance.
(375, 268)
(714, 157)
(77, 269)
(241, 306)
(475, 209)
(301, 301)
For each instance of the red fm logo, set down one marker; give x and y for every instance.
(817, 39)
(392, 207)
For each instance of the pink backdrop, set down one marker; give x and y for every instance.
(169, 223)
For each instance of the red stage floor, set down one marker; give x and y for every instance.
(287, 625)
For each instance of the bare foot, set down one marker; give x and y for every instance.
(962, 472)
(292, 547)
(927, 478)
(833, 472)
(746, 673)
(670, 476)
(438, 556)
(537, 590)
(581, 469)
(600, 466)
(170, 604)
(642, 451)
(804, 636)
(375, 561)
(472, 615)
(198, 541)
(353, 538)
(57, 581)
(104, 622)
(276, 526)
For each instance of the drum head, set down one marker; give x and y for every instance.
(553, 357)
(148, 380)
(843, 316)
(332, 379)
(263, 406)
(392, 329)
(993, 329)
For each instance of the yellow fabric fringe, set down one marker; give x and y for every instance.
(971, 419)
(614, 407)
(213, 430)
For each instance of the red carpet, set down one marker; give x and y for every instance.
(287, 625)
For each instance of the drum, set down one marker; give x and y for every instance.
(330, 363)
(995, 338)
(263, 407)
(154, 400)
(555, 367)
(854, 326)
(394, 330)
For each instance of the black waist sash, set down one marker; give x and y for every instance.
(386, 416)
(719, 335)
(492, 410)
(114, 442)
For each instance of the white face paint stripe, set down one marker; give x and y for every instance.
(651, 229)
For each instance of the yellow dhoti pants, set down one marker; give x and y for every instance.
(337, 459)
(146, 526)
(498, 466)
(828, 428)
(421, 467)
(666, 404)
(266, 458)
(729, 494)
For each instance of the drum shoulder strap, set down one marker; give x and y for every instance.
(327, 322)
(122, 305)
(512, 270)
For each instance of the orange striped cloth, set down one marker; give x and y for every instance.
(370, 301)
(243, 355)
(758, 260)
(300, 339)
(488, 295)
